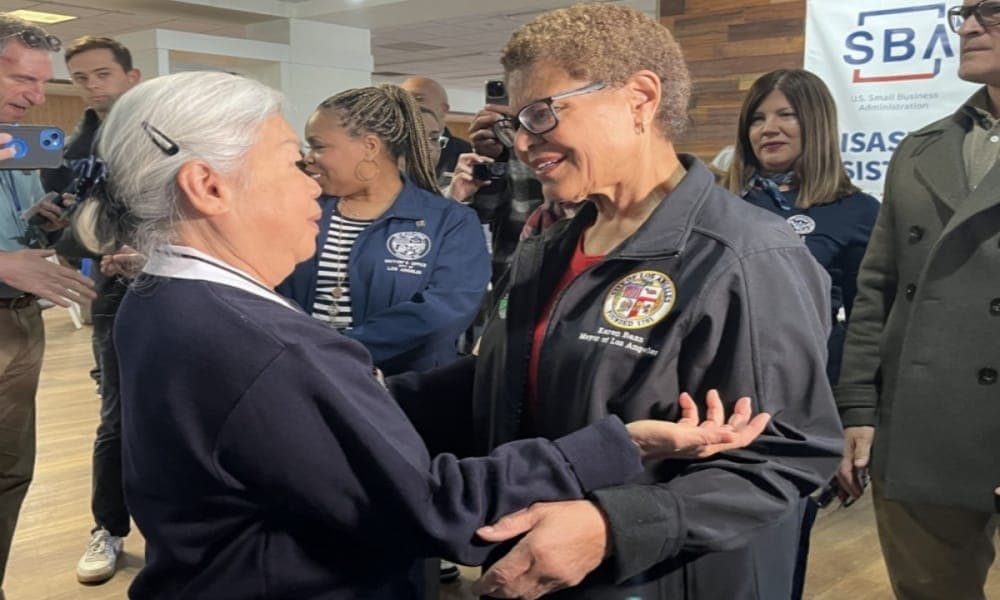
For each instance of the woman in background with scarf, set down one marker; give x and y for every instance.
(787, 161)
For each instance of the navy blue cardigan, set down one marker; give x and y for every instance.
(262, 458)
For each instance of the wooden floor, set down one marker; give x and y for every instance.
(55, 521)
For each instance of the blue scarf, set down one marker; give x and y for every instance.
(769, 184)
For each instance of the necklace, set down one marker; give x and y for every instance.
(337, 292)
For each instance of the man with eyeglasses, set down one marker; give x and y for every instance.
(919, 392)
(25, 274)
(512, 207)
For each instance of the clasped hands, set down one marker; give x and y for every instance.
(564, 541)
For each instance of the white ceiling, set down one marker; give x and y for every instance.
(456, 42)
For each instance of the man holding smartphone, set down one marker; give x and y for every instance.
(505, 205)
(25, 274)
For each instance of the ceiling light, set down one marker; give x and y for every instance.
(41, 17)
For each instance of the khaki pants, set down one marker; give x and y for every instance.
(22, 343)
(934, 552)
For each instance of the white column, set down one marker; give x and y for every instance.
(147, 54)
(323, 59)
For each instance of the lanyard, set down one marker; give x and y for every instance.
(12, 188)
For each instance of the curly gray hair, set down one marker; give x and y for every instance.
(605, 42)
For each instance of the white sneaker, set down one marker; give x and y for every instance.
(99, 562)
(449, 571)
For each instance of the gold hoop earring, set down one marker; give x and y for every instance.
(361, 175)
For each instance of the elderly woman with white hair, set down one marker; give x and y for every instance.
(262, 457)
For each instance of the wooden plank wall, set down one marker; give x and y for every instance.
(63, 111)
(728, 44)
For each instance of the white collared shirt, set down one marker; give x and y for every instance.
(184, 262)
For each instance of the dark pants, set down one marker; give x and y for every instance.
(809, 511)
(108, 496)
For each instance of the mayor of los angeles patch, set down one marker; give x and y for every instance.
(640, 299)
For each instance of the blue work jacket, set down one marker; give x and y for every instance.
(417, 274)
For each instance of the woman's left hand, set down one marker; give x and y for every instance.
(463, 184)
(690, 437)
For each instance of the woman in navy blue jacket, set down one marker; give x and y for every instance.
(787, 161)
(398, 267)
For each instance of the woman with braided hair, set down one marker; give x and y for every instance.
(398, 267)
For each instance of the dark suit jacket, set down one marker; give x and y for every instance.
(450, 153)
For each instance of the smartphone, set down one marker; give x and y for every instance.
(36, 146)
(863, 478)
(496, 92)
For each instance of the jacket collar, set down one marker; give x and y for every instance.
(937, 158)
(939, 166)
(184, 262)
(409, 204)
(977, 108)
(89, 121)
(84, 139)
(669, 226)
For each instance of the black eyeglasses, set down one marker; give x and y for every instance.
(987, 13)
(160, 139)
(538, 117)
(35, 40)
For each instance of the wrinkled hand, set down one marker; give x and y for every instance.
(484, 141)
(30, 271)
(463, 184)
(691, 438)
(564, 542)
(125, 262)
(854, 464)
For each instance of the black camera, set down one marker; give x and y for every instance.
(490, 171)
(496, 92)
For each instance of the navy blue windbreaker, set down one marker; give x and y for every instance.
(408, 311)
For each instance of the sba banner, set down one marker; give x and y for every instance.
(892, 67)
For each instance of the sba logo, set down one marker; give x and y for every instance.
(887, 50)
